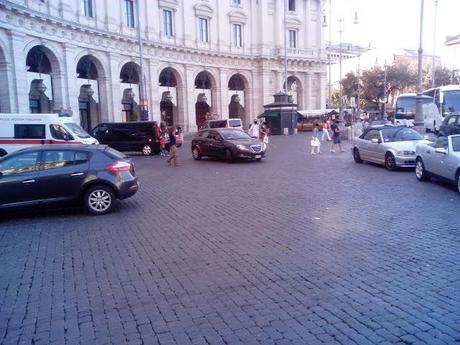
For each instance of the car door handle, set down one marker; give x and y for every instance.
(77, 174)
(429, 152)
(28, 181)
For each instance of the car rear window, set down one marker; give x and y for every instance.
(114, 153)
(234, 123)
(218, 124)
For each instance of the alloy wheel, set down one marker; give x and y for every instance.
(99, 200)
(390, 162)
(147, 150)
(196, 153)
(419, 169)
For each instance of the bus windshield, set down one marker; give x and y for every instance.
(405, 107)
(451, 102)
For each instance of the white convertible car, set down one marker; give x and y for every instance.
(439, 159)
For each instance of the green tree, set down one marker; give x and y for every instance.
(350, 86)
(443, 76)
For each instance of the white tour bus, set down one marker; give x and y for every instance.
(18, 131)
(447, 100)
(405, 108)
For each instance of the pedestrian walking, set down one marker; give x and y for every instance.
(254, 130)
(172, 147)
(167, 141)
(325, 131)
(336, 137)
(263, 133)
(316, 131)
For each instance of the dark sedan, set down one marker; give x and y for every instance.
(94, 175)
(228, 144)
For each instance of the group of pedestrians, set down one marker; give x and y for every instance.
(259, 131)
(166, 138)
(315, 142)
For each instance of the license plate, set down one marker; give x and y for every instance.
(258, 156)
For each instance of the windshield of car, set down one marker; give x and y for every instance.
(234, 123)
(400, 134)
(456, 143)
(451, 102)
(234, 135)
(77, 130)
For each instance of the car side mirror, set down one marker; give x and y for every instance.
(375, 141)
(441, 150)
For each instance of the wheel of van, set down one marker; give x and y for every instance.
(357, 156)
(228, 156)
(420, 172)
(99, 199)
(147, 150)
(196, 154)
(390, 161)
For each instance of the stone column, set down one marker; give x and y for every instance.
(190, 115)
(308, 85)
(222, 93)
(19, 85)
(115, 92)
(105, 103)
(153, 90)
(307, 25)
(322, 88)
(71, 90)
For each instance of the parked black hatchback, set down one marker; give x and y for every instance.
(228, 144)
(94, 175)
(128, 136)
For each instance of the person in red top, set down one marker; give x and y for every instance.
(325, 131)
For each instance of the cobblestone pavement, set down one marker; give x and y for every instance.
(291, 250)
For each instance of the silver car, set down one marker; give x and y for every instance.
(392, 146)
(440, 159)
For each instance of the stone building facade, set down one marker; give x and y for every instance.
(202, 58)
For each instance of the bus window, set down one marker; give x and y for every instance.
(405, 108)
(451, 103)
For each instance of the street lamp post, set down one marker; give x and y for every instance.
(340, 20)
(433, 63)
(384, 91)
(418, 121)
(142, 91)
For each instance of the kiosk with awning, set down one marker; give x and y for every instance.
(281, 115)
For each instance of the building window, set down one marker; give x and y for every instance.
(129, 9)
(237, 39)
(87, 7)
(167, 23)
(291, 5)
(203, 29)
(292, 39)
(236, 2)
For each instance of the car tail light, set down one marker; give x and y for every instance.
(118, 166)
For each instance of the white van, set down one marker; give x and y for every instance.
(18, 131)
(234, 123)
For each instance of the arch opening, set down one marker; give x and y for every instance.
(129, 83)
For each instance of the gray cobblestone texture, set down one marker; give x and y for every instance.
(296, 249)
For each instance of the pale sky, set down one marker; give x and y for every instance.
(394, 24)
